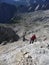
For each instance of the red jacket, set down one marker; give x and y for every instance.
(33, 37)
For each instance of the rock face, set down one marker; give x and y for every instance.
(7, 34)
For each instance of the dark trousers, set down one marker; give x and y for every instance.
(31, 41)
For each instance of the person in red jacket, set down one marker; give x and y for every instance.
(33, 38)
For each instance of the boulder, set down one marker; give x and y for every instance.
(8, 34)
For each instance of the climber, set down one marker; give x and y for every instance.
(33, 38)
(24, 36)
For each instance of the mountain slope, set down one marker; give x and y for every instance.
(29, 5)
(22, 52)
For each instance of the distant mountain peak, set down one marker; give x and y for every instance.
(6, 12)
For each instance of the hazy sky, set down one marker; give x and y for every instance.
(10, 0)
(16, 0)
